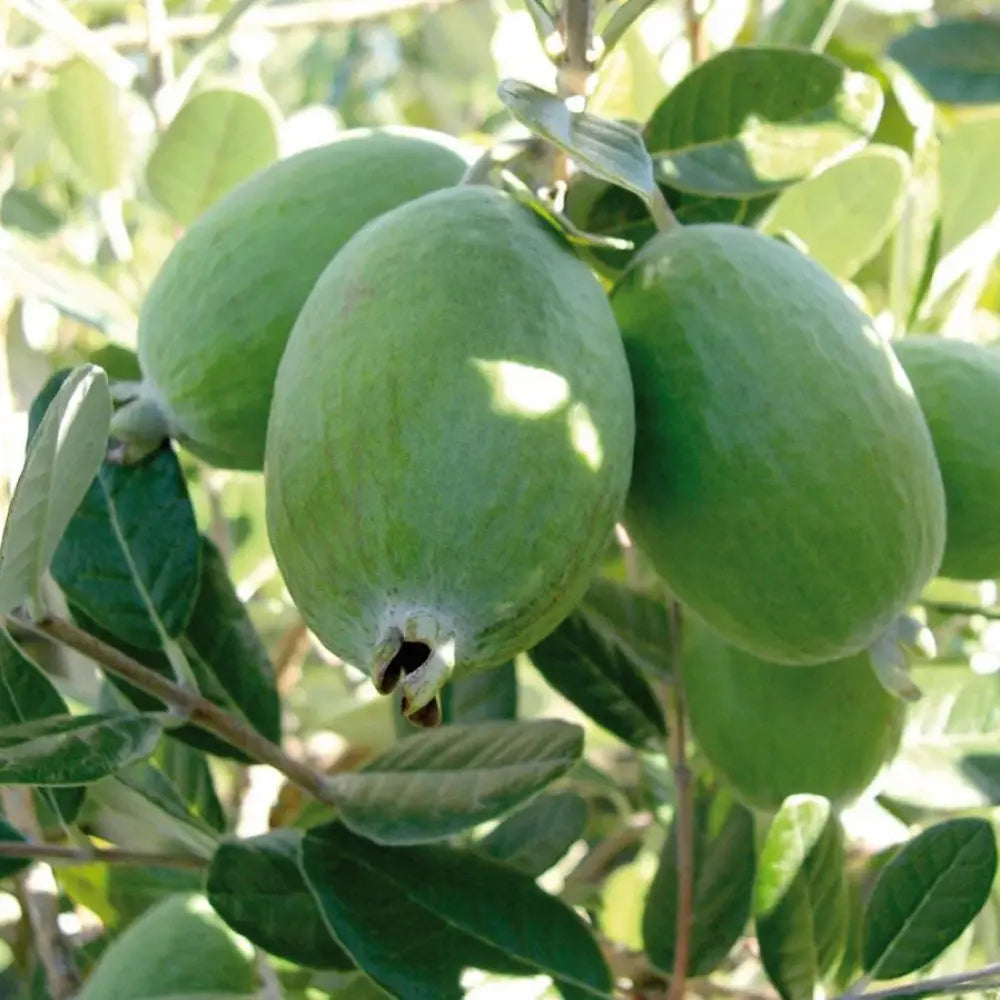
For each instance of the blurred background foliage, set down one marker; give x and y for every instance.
(121, 121)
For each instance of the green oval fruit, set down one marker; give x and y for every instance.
(216, 319)
(785, 485)
(958, 388)
(450, 440)
(771, 732)
(179, 946)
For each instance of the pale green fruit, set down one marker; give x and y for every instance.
(216, 319)
(958, 388)
(450, 440)
(785, 484)
(179, 946)
(772, 731)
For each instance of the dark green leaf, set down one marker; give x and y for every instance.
(27, 694)
(257, 888)
(188, 771)
(607, 149)
(441, 781)
(583, 661)
(22, 208)
(130, 556)
(227, 644)
(414, 917)
(11, 866)
(218, 139)
(639, 625)
(61, 462)
(956, 62)
(800, 896)
(927, 895)
(486, 694)
(753, 119)
(87, 118)
(535, 837)
(75, 749)
(724, 863)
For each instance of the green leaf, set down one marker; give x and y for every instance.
(188, 771)
(75, 749)
(583, 661)
(607, 149)
(956, 62)
(753, 119)
(844, 215)
(625, 15)
(486, 694)
(927, 895)
(130, 555)
(970, 182)
(414, 917)
(87, 118)
(219, 138)
(804, 24)
(61, 461)
(639, 625)
(800, 896)
(26, 694)
(441, 781)
(724, 861)
(227, 644)
(11, 866)
(24, 209)
(256, 886)
(140, 806)
(535, 837)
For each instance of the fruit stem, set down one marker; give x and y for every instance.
(198, 710)
(683, 811)
(663, 216)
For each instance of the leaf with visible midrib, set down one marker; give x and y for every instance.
(75, 749)
(130, 555)
(583, 660)
(800, 896)
(442, 781)
(956, 62)
(754, 119)
(257, 888)
(724, 864)
(414, 917)
(927, 895)
(62, 458)
(219, 138)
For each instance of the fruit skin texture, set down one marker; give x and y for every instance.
(179, 946)
(216, 319)
(785, 484)
(450, 440)
(958, 388)
(772, 732)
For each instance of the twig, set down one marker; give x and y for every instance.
(198, 710)
(576, 67)
(955, 608)
(109, 855)
(38, 895)
(159, 58)
(683, 812)
(595, 863)
(695, 32)
(50, 51)
(928, 986)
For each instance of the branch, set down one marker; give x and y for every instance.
(694, 27)
(196, 709)
(929, 986)
(83, 855)
(48, 52)
(683, 812)
(576, 67)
